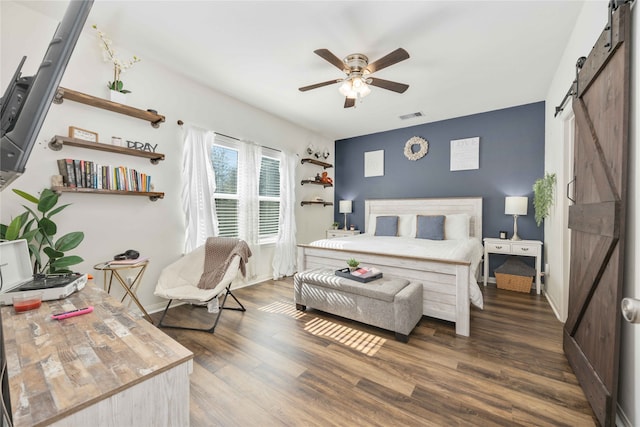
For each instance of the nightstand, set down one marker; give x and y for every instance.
(341, 233)
(532, 248)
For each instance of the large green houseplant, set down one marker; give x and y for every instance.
(39, 230)
(543, 196)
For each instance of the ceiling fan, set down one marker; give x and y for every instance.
(357, 68)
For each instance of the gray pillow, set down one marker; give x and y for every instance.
(386, 226)
(430, 227)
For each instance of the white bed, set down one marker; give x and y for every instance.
(447, 269)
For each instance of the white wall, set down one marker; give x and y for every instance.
(591, 22)
(114, 223)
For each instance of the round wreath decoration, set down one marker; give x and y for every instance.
(408, 148)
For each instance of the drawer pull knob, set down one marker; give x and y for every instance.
(524, 249)
(498, 247)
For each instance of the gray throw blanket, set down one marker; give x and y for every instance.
(218, 253)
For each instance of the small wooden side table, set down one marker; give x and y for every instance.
(114, 270)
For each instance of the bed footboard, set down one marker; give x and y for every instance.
(445, 282)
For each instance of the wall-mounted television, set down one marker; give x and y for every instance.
(26, 101)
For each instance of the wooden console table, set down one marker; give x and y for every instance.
(108, 367)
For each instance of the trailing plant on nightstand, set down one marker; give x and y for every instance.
(39, 231)
(543, 196)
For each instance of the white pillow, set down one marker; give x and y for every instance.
(456, 227)
(406, 225)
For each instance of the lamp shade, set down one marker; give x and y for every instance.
(515, 205)
(345, 206)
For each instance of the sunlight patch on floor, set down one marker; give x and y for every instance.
(361, 341)
(285, 308)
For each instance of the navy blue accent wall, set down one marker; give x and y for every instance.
(511, 159)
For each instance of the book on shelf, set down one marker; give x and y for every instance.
(89, 174)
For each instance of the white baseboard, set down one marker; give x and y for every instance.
(553, 306)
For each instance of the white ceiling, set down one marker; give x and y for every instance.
(466, 56)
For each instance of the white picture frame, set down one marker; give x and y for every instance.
(373, 163)
(465, 154)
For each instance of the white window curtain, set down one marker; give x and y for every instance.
(284, 259)
(198, 186)
(249, 209)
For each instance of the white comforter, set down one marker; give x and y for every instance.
(470, 250)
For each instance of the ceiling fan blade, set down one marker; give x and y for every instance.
(317, 85)
(389, 85)
(349, 102)
(392, 58)
(332, 59)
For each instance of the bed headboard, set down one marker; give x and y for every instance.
(446, 206)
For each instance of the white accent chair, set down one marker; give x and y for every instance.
(179, 281)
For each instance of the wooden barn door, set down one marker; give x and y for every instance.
(597, 219)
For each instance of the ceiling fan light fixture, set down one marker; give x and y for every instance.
(354, 87)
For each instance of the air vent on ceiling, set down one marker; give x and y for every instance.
(412, 115)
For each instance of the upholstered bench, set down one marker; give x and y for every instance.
(388, 303)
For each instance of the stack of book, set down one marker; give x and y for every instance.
(88, 174)
(362, 274)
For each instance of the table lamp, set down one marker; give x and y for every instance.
(345, 208)
(515, 206)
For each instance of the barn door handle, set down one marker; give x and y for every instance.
(568, 186)
(631, 310)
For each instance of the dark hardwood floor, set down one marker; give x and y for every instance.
(275, 366)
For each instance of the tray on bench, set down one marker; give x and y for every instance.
(346, 273)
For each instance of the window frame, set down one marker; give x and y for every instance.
(265, 152)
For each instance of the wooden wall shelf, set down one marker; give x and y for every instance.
(57, 142)
(317, 162)
(153, 196)
(151, 116)
(311, 181)
(316, 203)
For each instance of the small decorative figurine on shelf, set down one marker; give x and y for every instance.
(325, 179)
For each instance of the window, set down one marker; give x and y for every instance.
(225, 159)
(269, 197)
(225, 165)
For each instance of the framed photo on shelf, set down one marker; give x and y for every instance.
(503, 235)
(85, 135)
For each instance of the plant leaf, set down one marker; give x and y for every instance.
(31, 211)
(13, 230)
(52, 253)
(48, 200)
(33, 250)
(48, 227)
(69, 241)
(26, 195)
(56, 210)
(29, 235)
(66, 261)
(3, 231)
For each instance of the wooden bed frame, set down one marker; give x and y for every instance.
(445, 282)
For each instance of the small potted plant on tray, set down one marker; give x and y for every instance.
(353, 264)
